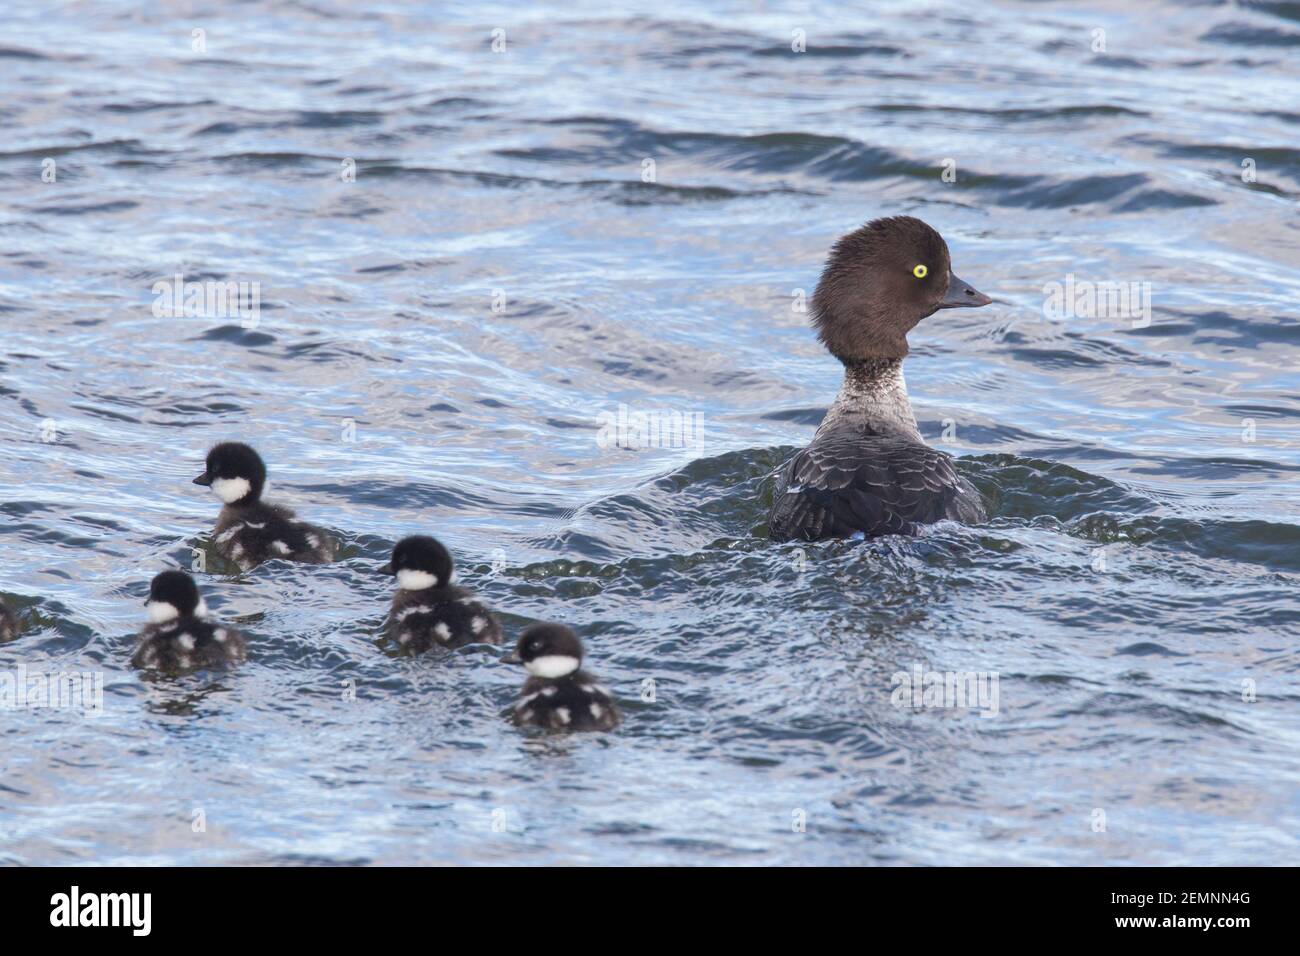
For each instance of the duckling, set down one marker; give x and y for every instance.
(558, 695)
(179, 637)
(250, 531)
(428, 610)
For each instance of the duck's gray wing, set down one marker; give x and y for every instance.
(848, 483)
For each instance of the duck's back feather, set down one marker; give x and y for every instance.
(849, 482)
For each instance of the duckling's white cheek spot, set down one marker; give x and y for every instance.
(230, 490)
(221, 635)
(279, 547)
(551, 665)
(563, 714)
(410, 580)
(160, 611)
(443, 631)
(478, 624)
(597, 711)
(186, 641)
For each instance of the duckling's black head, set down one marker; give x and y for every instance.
(420, 562)
(881, 280)
(549, 650)
(172, 594)
(236, 473)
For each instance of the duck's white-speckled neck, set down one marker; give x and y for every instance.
(874, 397)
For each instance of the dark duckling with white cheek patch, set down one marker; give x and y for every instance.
(428, 610)
(559, 695)
(249, 531)
(179, 637)
(867, 471)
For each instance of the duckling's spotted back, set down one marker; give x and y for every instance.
(251, 534)
(447, 617)
(572, 702)
(188, 644)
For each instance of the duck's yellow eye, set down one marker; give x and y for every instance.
(920, 272)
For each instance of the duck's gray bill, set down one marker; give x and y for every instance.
(962, 295)
(203, 479)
